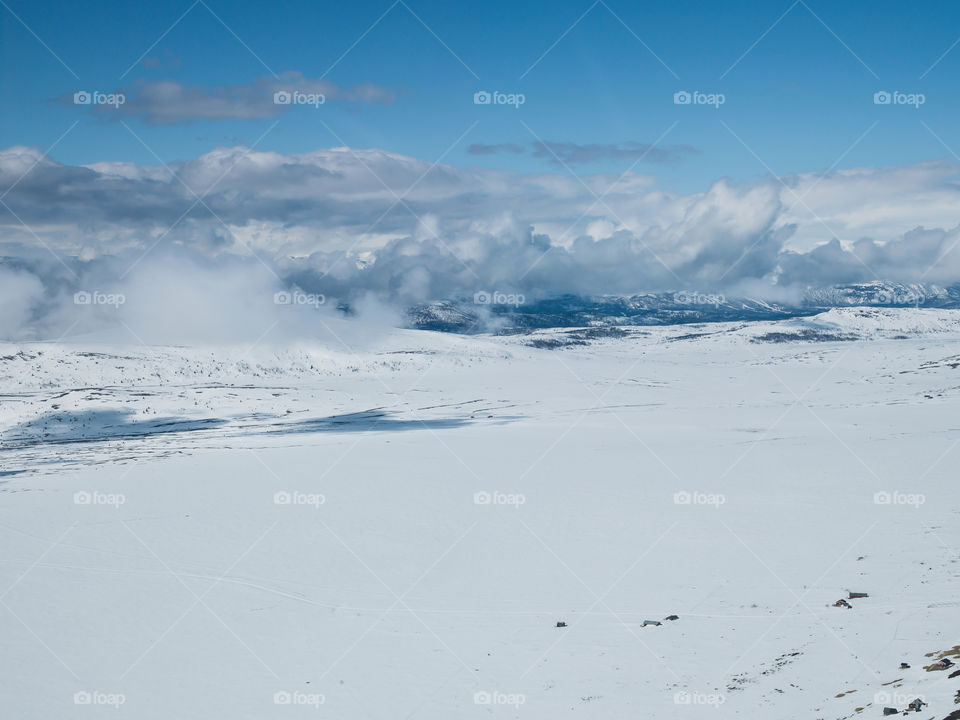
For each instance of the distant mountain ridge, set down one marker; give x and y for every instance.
(487, 312)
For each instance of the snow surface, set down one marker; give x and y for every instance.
(736, 475)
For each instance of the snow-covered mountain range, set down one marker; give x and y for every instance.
(484, 313)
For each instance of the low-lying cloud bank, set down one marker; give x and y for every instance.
(200, 248)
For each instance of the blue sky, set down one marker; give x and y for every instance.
(800, 99)
(201, 193)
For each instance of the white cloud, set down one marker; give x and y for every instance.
(351, 223)
(20, 297)
(166, 102)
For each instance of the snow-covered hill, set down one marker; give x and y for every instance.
(393, 526)
(484, 313)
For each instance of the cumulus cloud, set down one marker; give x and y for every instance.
(167, 102)
(235, 226)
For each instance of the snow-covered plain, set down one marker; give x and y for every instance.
(392, 526)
